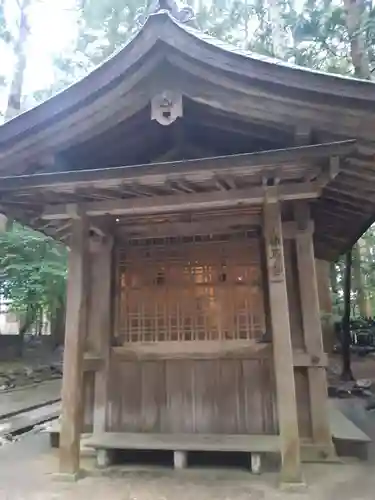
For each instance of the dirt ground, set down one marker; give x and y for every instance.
(27, 467)
(362, 367)
(26, 473)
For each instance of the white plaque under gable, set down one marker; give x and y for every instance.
(166, 107)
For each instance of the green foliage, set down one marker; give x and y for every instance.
(315, 32)
(316, 36)
(5, 34)
(33, 270)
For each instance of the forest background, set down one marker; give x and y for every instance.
(46, 45)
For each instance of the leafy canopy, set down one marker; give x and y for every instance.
(33, 270)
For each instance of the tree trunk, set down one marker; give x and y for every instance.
(58, 326)
(358, 281)
(345, 334)
(325, 303)
(334, 286)
(15, 92)
(27, 323)
(279, 40)
(365, 246)
(358, 51)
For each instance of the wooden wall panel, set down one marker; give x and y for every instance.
(224, 396)
(88, 400)
(130, 394)
(303, 402)
(205, 388)
(294, 302)
(152, 396)
(228, 401)
(268, 391)
(295, 312)
(115, 394)
(253, 399)
(178, 387)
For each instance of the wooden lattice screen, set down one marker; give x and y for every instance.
(190, 289)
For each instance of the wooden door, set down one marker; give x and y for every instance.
(195, 298)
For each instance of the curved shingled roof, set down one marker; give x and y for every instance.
(163, 29)
(219, 82)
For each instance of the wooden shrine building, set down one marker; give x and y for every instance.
(196, 185)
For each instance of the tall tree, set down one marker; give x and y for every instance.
(33, 274)
(346, 373)
(19, 42)
(355, 10)
(4, 40)
(279, 35)
(358, 280)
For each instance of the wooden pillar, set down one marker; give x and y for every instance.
(282, 344)
(75, 330)
(312, 330)
(100, 325)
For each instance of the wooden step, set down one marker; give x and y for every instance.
(185, 442)
(344, 429)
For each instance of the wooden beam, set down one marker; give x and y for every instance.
(291, 229)
(358, 204)
(75, 331)
(262, 160)
(327, 215)
(139, 190)
(231, 181)
(307, 360)
(281, 339)
(333, 206)
(221, 184)
(92, 362)
(358, 174)
(364, 165)
(185, 202)
(181, 186)
(312, 329)
(351, 193)
(103, 227)
(212, 349)
(262, 443)
(217, 225)
(266, 128)
(221, 121)
(361, 185)
(224, 93)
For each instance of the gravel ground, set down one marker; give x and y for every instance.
(27, 467)
(26, 472)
